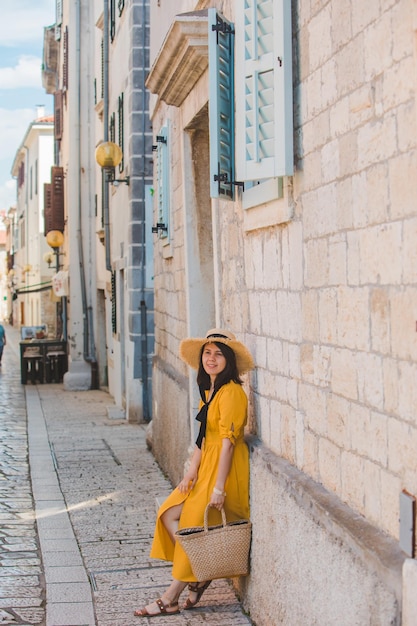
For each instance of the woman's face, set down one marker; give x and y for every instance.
(213, 360)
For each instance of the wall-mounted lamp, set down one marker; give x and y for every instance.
(108, 156)
(48, 257)
(55, 238)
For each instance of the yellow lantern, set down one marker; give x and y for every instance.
(108, 154)
(55, 238)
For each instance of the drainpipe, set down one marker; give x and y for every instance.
(88, 336)
(105, 186)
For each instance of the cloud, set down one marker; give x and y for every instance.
(22, 21)
(27, 73)
(13, 127)
(21, 38)
(8, 194)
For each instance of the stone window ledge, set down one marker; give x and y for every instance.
(182, 59)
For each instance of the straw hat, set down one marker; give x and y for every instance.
(190, 349)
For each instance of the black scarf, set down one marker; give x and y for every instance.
(202, 416)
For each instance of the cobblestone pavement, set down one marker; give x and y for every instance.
(21, 580)
(107, 481)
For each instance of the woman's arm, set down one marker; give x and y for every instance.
(191, 474)
(225, 463)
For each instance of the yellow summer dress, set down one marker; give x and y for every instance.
(226, 418)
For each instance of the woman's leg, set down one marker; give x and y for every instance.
(171, 518)
(196, 590)
(169, 600)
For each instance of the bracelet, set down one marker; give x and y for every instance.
(219, 492)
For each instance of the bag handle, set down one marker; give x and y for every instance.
(206, 512)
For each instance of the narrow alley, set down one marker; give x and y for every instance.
(83, 559)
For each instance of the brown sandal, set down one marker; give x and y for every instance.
(199, 589)
(162, 610)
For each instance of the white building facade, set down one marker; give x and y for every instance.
(29, 275)
(289, 217)
(96, 56)
(125, 206)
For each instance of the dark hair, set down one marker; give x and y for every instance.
(229, 373)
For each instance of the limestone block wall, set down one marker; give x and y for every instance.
(313, 560)
(170, 305)
(170, 423)
(328, 300)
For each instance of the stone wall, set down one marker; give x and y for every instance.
(170, 435)
(324, 565)
(326, 301)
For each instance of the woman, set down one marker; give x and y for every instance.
(2, 341)
(218, 473)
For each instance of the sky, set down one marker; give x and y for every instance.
(21, 45)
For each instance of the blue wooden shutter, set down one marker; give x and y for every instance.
(221, 105)
(264, 98)
(162, 175)
(112, 19)
(120, 113)
(112, 127)
(65, 50)
(113, 303)
(58, 12)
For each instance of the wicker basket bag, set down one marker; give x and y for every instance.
(217, 551)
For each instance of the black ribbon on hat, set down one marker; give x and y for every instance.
(202, 416)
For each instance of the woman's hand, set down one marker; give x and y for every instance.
(187, 482)
(217, 501)
(191, 474)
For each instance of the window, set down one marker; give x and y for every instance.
(53, 198)
(58, 12)
(47, 208)
(102, 69)
(221, 105)
(65, 62)
(112, 19)
(120, 113)
(21, 175)
(36, 177)
(112, 127)
(264, 121)
(113, 303)
(162, 182)
(58, 115)
(264, 90)
(22, 232)
(58, 19)
(262, 62)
